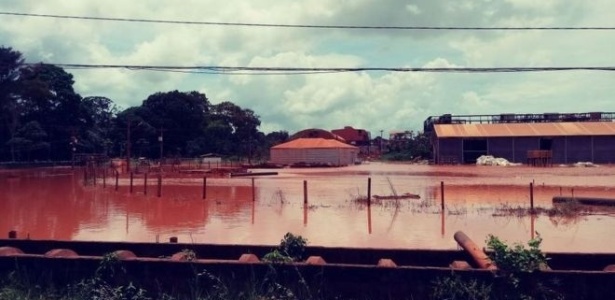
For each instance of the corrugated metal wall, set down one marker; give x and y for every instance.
(566, 150)
(604, 149)
(334, 156)
(449, 151)
(579, 148)
(558, 149)
(503, 147)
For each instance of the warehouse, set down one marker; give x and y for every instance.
(314, 152)
(542, 139)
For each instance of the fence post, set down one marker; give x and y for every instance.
(531, 197)
(442, 195)
(253, 191)
(369, 191)
(305, 192)
(145, 184)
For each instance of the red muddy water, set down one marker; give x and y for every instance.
(54, 204)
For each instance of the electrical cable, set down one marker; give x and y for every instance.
(307, 26)
(301, 70)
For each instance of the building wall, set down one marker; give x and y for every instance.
(559, 148)
(604, 149)
(449, 151)
(522, 145)
(566, 150)
(502, 147)
(579, 148)
(332, 156)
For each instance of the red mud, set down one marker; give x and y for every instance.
(54, 204)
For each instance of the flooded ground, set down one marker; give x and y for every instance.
(54, 204)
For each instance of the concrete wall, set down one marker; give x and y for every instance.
(349, 273)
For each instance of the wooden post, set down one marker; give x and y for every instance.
(145, 184)
(442, 194)
(131, 178)
(117, 179)
(253, 191)
(305, 193)
(369, 191)
(204, 187)
(531, 197)
(159, 184)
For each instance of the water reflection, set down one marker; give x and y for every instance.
(57, 206)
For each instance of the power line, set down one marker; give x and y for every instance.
(226, 70)
(306, 26)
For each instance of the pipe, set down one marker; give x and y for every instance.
(482, 260)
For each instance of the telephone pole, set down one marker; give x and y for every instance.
(128, 146)
(381, 141)
(161, 139)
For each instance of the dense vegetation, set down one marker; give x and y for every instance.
(43, 118)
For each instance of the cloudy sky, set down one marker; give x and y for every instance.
(375, 101)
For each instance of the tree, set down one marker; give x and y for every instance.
(182, 116)
(30, 139)
(409, 146)
(49, 98)
(129, 127)
(243, 124)
(271, 139)
(98, 114)
(11, 63)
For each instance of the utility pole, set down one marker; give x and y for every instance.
(381, 141)
(128, 146)
(161, 139)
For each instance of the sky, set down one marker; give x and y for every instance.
(371, 100)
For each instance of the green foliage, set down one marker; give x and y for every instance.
(293, 246)
(408, 146)
(516, 258)
(516, 265)
(276, 256)
(454, 287)
(44, 93)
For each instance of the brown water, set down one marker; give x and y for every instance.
(56, 205)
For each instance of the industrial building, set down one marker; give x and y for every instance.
(356, 137)
(535, 139)
(314, 152)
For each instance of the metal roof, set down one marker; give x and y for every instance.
(525, 129)
(319, 143)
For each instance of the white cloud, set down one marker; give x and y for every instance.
(371, 100)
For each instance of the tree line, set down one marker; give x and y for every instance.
(43, 118)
